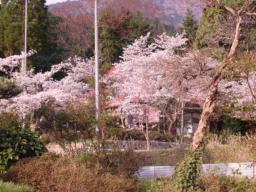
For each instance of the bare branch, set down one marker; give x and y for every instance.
(229, 9)
(250, 14)
(242, 9)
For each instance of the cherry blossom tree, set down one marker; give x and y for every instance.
(40, 86)
(152, 73)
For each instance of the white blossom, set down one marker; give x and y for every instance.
(38, 87)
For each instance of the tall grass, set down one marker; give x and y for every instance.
(230, 149)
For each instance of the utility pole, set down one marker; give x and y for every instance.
(97, 94)
(24, 61)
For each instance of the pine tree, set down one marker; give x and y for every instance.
(190, 26)
(116, 31)
(12, 23)
(8, 88)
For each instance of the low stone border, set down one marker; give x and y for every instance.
(231, 169)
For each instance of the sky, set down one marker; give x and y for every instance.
(48, 2)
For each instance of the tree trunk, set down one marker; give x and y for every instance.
(208, 108)
(210, 102)
(147, 137)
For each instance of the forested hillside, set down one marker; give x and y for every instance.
(174, 11)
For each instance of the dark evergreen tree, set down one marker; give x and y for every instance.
(190, 27)
(12, 24)
(55, 52)
(116, 31)
(159, 27)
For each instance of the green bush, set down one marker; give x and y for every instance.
(15, 145)
(187, 172)
(232, 125)
(134, 134)
(68, 124)
(121, 162)
(117, 133)
(11, 187)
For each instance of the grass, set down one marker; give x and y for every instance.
(229, 149)
(11, 187)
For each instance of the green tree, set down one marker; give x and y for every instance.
(216, 29)
(190, 27)
(117, 31)
(160, 27)
(12, 24)
(55, 52)
(8, 88)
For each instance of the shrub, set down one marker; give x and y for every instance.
(110, 157)
(9, 121)
(117, 133)
(121, 162)
(68, 123)
(187, 172)
(156, 185)
(50, 172)
(134, 134)
(47, 138)
(11, 187)
(232, 125)
(15, 145)
(156, 136)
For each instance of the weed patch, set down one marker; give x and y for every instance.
(55, 173)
